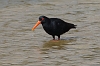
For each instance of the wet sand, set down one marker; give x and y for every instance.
(19, 46)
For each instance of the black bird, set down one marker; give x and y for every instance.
(54, 26)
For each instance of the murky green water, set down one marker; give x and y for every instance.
(19, 46)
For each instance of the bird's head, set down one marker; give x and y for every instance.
(42, 19)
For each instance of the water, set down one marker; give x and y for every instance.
(19, 46)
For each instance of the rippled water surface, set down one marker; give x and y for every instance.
(19, 46)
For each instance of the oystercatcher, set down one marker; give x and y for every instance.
(54, 26)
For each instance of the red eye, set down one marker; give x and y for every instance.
(42, 18)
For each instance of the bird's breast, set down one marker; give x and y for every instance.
(49, 28)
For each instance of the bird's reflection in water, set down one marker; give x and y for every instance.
(48, 46)
(58, 44)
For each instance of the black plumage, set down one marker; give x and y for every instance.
(55, 26)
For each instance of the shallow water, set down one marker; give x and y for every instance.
(19, 46)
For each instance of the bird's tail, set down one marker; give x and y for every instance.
(74, 26)
(70, 25)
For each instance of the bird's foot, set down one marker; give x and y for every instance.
(54, 40)
(58, 38)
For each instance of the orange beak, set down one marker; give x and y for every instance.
(39, 22)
